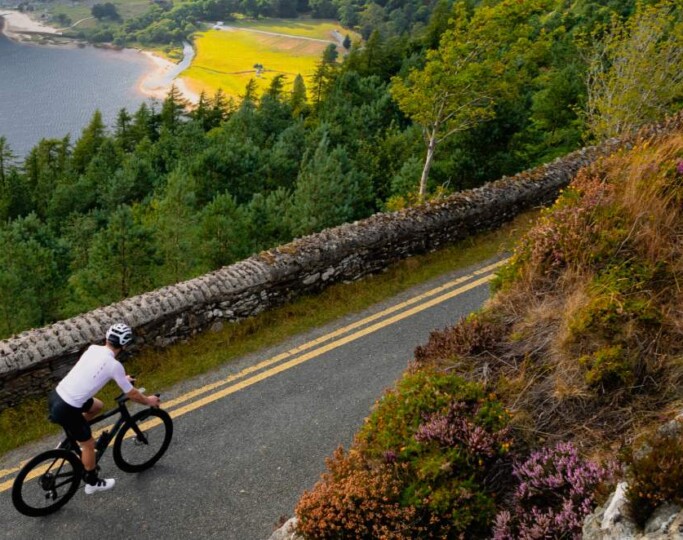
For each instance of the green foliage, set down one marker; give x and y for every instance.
(636, 73)
(328, 191)
(291, 166)
(119, 261)
(105, 11)
(477, 63)
(29, 271)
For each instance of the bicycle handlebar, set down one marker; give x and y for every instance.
(122, 398)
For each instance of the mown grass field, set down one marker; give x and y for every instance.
(225, 58)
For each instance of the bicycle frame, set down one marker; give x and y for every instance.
(107, 435)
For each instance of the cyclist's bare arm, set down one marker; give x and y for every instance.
(139, 397)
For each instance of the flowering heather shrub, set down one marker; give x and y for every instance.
(656, 476)
(572, 229)
(554, 495)
(459, 427)
(425, 465)
(470, 336)
(355, 500)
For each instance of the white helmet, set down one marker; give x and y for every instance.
(119, 335)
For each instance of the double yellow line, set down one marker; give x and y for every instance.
(317, 347)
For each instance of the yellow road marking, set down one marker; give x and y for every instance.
(303, 358)
(297, 350)
(317, 352)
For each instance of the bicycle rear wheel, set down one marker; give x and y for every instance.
(143, 440)
(47, 482)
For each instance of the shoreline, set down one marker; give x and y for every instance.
(20, 27)
(154, 83)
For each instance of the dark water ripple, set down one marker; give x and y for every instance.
(52, 91)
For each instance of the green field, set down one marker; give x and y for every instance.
(82, 10)
(318, 28)
(225, 58)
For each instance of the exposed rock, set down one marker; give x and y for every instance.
(287, 531)
(612, 522)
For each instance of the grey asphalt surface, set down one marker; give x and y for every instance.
(238, 464)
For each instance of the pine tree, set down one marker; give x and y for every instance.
(87, 145)
(329, 191)
(120, 261)
(298, 99)
(222, 233)
(173, 109)
(175, 225)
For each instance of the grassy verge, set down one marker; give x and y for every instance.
(160, 369)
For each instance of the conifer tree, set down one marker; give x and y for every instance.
(222, 233)
(329, 191)
(87, 145)
(175, 226)
(120, 261)
(298, 99)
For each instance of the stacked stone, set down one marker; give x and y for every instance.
(32, 361)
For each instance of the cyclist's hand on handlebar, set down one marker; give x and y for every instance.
(153, 401)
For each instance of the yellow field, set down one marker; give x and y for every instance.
(225, 58)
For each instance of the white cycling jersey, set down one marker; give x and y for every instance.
(94, 369)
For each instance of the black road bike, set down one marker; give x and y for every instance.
(49, 480)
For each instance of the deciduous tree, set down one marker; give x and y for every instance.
(636, 73)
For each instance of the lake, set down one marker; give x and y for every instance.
(52, 91)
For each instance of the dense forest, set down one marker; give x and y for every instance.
(439, 98)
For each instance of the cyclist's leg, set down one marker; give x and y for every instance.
(88, 454)
(92, 408)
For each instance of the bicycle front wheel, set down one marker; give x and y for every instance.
(143, 440)
(47, 482)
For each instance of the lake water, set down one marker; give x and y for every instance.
(52, 91)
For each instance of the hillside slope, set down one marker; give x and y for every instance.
(577, 355)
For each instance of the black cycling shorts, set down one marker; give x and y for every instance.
(70, 418)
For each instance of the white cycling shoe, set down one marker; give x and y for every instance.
(102, 484)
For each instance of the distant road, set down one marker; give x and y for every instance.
(292, 36)
(254, 435)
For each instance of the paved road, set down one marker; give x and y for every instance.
(247, 446)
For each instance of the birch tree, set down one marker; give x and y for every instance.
(461, 81)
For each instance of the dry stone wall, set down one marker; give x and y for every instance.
(31, 362)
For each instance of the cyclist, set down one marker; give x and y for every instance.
(72, 404)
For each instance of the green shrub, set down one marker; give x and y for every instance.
(617, 319)
(609, 367)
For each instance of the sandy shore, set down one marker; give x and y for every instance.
(155, 84)
(17, 23)
(158, 82)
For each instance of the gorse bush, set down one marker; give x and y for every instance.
(554, 494)
(427, 464)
